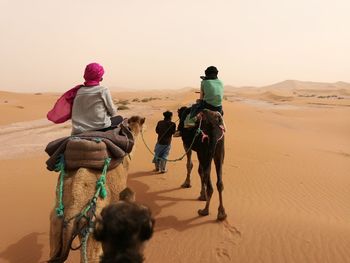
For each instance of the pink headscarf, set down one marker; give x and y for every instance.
(62, 111)
(93, 74)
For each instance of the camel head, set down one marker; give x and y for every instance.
(181, 111)
(136, 124)
(122, 229)
(211, 118)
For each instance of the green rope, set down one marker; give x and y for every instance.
(100, 192)
(100, 184)
(199, 131)
(100, 189)
(60, 167)
(98, 140)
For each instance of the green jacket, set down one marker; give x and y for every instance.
(213, 91)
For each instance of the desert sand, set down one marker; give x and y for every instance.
(286, 177)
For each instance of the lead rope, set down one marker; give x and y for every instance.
(198, 131)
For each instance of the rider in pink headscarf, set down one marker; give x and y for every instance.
(93, 74)
(90, 106)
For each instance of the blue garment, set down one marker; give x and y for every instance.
(161, 152)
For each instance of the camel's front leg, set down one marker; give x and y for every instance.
(218, 159)
(55, 234)
(202, 195)
(189, 166)
(208, 192)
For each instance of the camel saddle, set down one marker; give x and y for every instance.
(90, 149)
(88, 153)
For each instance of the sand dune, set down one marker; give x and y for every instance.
(296, 92)
(307, 85)
(285, 175)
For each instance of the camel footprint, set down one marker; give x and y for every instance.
(231, 237)
(232, 234)
(223, 254)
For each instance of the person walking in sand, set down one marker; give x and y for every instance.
(165, 129)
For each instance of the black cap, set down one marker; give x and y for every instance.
(210, 73)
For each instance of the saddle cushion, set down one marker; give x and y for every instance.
(87, 153)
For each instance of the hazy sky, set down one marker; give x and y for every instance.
(45, 44)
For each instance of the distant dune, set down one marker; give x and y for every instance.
(296, 85)
(319, 93)
(308, 85)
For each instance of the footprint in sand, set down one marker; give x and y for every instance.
(231, 237)
(222, 253)
(232, 234)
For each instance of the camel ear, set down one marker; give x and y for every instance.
(146, 230)
(218, 117)
(147, 223)
(142, 120)
(127, 195)
(201, 115)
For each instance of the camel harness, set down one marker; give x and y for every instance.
(88, 213)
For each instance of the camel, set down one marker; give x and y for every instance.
(123, 229)
(210, 146)
(79, 188)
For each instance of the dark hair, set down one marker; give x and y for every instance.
(210, 73)
(167, 115)
(122, 229)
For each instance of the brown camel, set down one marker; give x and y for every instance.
(79, 187)
(209, 145)
(123, 229)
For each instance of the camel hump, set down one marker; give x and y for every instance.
(88, 154)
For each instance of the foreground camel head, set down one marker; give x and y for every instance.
(136, 124)
(123, 229)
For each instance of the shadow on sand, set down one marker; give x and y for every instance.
(27, 249)
(144, 195)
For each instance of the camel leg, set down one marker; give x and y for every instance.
(63, 246)
(189, 166)
(208, 192)
(218, 159)
(55, 234)
(202, 195)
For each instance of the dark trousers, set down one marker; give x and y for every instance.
(198, 107)
(115, 121)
